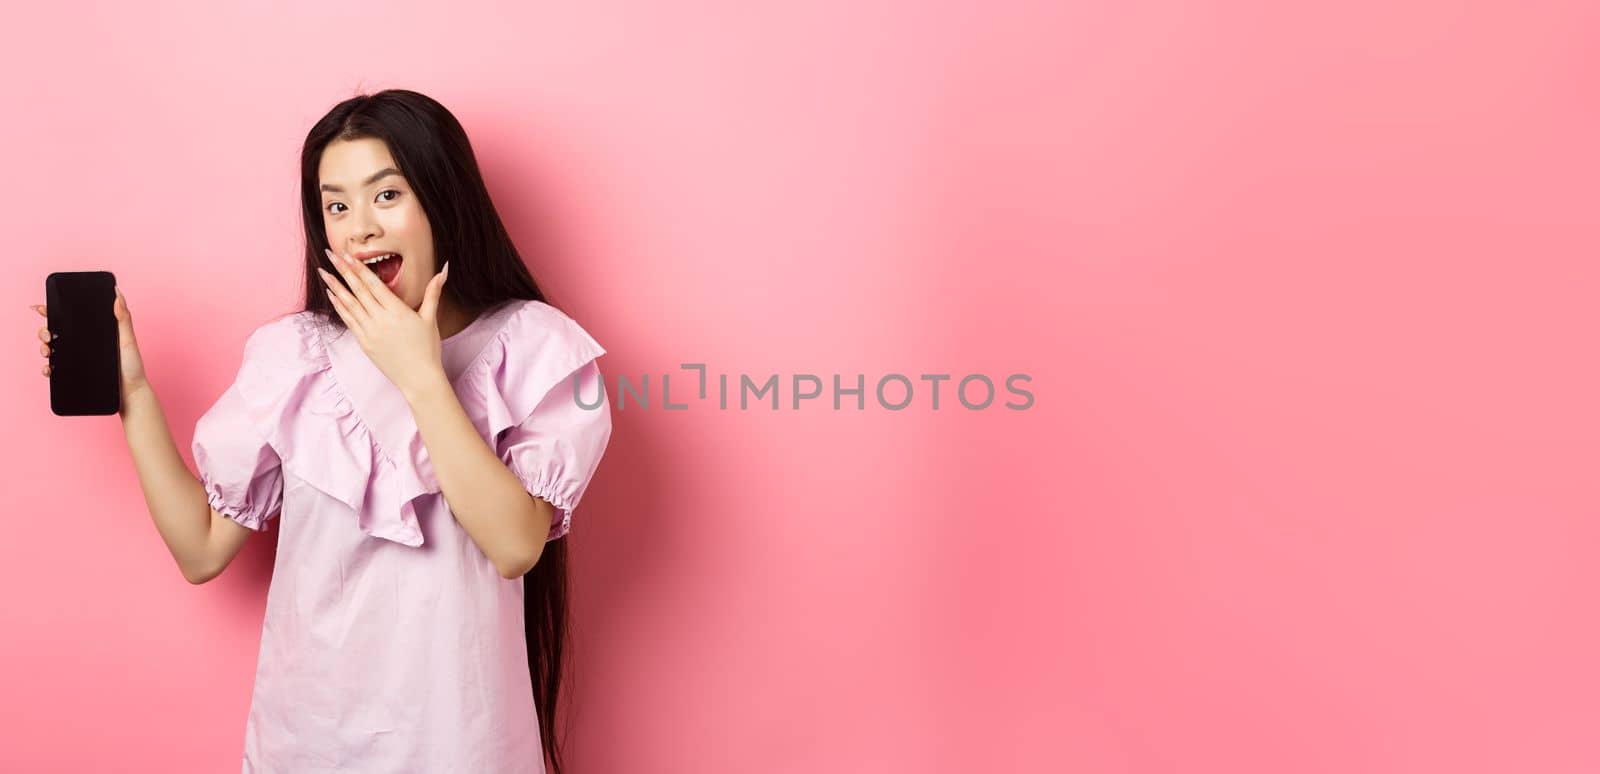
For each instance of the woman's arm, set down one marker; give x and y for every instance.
(201, 540)
(508, 524)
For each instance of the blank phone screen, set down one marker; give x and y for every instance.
(85, 371)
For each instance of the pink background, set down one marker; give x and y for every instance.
(1305, 293)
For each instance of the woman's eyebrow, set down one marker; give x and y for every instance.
(369, 181)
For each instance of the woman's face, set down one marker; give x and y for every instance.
(369, 208)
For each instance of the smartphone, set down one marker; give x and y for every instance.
(85, 361)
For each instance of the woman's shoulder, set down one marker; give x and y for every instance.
(532, 328)
(288, 341)
(541, 312)
(534, 348)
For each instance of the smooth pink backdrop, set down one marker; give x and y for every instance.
(1306, 292)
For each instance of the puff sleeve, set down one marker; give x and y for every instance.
(241, 472)
(544, 398)
(556, 449)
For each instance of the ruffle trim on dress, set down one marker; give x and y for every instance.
(510, 392)
(338, 454)
(250, 516)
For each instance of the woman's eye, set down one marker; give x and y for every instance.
(331, 205)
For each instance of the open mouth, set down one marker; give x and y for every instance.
(387, 268)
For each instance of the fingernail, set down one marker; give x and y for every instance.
(446, 271)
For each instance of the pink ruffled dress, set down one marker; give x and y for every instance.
(391, 643)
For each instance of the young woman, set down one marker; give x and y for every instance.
(425, 426)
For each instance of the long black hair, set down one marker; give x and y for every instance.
(431, 150)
